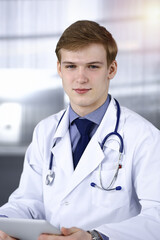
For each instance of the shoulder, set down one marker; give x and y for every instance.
(49, 124)
(138, 125)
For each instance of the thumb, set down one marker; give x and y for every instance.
(69, 231)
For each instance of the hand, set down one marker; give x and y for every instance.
(4, 236)
(68, 234)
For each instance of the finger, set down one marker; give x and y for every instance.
(4, 236)
(44, 237)
(49, 237)
(69, 231)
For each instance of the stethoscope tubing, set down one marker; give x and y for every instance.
(51, 175)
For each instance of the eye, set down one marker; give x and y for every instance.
(93, 66)
(71, 66)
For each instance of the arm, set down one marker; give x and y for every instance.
(146, 185)
(26, 201)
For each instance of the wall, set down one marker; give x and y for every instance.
(30, 89)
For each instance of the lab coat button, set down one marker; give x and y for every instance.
(66, 203)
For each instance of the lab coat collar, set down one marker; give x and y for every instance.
(61, 149)
(89, 161)
(62, 125)
(108, 125)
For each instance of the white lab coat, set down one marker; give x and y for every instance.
(132, 213)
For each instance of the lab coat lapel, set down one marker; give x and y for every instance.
(62, 151)
(88, 162)
(93, 154)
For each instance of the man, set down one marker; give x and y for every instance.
(96, 192)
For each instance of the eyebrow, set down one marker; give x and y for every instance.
(94, 62)
(66, 62)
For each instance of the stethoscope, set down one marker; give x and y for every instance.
(51, 174)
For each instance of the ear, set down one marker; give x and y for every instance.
(59, 69)
(112, 69)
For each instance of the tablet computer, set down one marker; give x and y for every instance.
(26, 229)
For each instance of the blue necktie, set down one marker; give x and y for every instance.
(84, 127)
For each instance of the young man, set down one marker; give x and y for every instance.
(107, 187)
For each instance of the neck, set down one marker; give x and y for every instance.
(85, 110)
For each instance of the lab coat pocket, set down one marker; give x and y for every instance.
(112, 199)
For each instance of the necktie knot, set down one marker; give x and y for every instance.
(84, 126)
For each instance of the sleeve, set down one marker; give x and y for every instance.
(27, 200)
(146, 184)
(104, 237)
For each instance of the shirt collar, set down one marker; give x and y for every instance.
(95, 116)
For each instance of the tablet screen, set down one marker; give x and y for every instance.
(26, 229)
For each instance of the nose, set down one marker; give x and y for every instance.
(81, 76)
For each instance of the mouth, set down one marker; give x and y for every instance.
(82, 90)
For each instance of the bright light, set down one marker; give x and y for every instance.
(18, 83)
(10, 121)
(128, 45)
(153, 14)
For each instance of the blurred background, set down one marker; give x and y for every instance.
(30, 89)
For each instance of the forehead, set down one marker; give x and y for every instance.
(90, 53)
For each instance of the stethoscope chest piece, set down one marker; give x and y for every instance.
(50, 177)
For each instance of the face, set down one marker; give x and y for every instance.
(85, 77)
